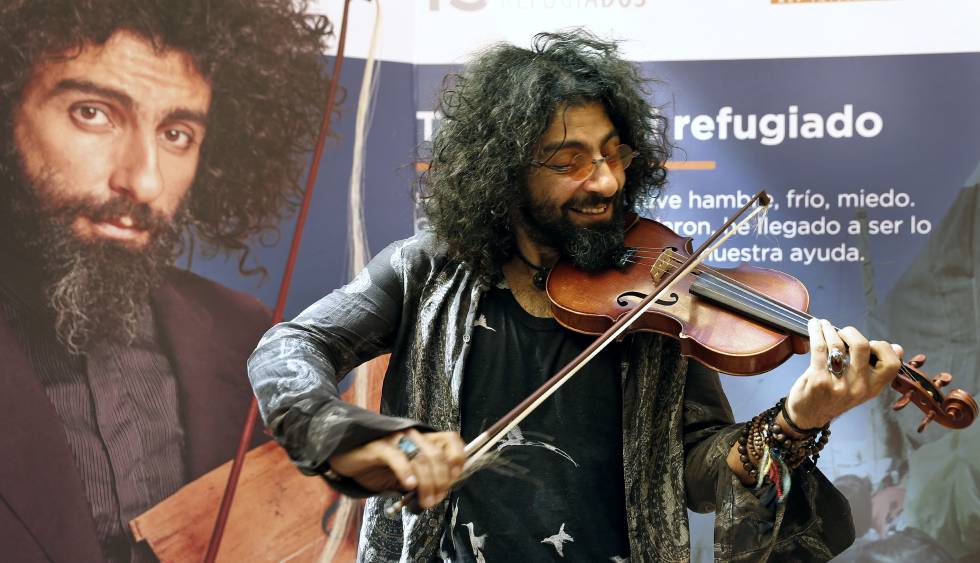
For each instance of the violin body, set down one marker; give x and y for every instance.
(741, 321)
(715, 335)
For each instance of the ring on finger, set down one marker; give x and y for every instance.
(408, 447)
(837, 362)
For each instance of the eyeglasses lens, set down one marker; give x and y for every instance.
(581, 166)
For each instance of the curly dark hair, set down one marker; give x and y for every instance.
(495, 112)
(263, 60)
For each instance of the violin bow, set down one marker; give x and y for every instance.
(480, 445)
(287, 276)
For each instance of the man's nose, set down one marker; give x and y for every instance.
(602, 181)
(137, 169)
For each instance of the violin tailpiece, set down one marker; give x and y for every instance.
(625, 258)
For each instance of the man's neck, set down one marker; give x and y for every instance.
(519, 272)
(519, 279)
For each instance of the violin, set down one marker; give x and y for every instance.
(745, 320)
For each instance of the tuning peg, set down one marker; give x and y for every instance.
(942, 379)
(902, 401)
(917, 360)
(925, 421)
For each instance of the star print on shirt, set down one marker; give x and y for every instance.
(481, 321)
(516, 438)
(558, 540)
(452, 526)
(476, 543)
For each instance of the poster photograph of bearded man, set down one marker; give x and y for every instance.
(130, 132)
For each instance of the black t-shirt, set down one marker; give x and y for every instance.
(559, 493)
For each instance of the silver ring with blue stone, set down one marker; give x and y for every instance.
(408, 447)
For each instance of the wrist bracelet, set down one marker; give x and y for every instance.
(764, 437)
(793, 425)
(795, 452)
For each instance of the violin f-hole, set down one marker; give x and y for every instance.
(627, 297)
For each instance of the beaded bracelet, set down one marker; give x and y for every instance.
(778, 454)
(795, 452)
(793, 425)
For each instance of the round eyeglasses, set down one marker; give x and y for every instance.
(580, 166)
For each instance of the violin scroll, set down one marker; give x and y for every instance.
(956, 410)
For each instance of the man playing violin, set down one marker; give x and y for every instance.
(541, 156)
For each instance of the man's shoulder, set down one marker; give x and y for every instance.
(215, 297)
(423, 243)
(425, 249)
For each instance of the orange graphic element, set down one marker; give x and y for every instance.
(691, 165)
(818, 1)
(423, 165)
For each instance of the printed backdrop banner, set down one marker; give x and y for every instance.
(859, 118)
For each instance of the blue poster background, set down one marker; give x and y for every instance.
(928, 147)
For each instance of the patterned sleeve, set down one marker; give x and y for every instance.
(817, 521)
(296, 368)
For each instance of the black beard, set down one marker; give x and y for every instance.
(94, 290)
(591, 248)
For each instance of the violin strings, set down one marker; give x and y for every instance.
(750, 294)
(788, 313)
(903, 368)
(757, 302)
(761, 301)
(802, 317)
(702, 268)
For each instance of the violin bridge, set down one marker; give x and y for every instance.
(662, 266)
